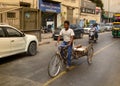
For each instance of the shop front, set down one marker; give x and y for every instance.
(50, 11)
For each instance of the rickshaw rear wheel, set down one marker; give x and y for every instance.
(90, 55)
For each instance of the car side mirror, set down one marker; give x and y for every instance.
(23, 34)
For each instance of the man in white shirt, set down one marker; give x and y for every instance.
(68, 36)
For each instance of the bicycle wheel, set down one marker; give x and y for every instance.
(90, 55)
(54, 66)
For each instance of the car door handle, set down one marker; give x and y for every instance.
(12, 41)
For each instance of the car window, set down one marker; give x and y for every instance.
(13, 33)
(2, 34)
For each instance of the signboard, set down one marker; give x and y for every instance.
(88, 4)
(49, 6)
(88, 7)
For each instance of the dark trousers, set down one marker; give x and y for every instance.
(96, 35)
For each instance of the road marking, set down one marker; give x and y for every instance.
(104, 48)
(60, 75)
(12, 78)
(65, 72)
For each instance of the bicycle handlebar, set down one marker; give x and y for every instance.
(63, 46)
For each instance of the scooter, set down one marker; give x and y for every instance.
(92, 38)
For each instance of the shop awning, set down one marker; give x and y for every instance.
(49, 6)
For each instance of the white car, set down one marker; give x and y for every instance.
(102, 27)
(87, 29)
(108, 26)
(13, 41)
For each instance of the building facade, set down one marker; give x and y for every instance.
(89, 11)
(70, 10)
(111, 5)
(76, 10)
(14, 3)
(57, 11)
(50, 13)
(20, 15)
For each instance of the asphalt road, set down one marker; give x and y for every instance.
(22, 70)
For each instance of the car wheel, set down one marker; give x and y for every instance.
(32, 49)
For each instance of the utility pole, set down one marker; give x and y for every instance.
(79, 12)
(33, 3)
(108, 11)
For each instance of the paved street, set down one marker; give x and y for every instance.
(21, 70)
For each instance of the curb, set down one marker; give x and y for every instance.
(43, 43)
(47, 38)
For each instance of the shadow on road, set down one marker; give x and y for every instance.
(12, 58)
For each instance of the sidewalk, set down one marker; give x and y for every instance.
(46, 38)
(46, 35)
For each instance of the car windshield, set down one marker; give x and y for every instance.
(89, 26)
(73, 26)
(117, 26)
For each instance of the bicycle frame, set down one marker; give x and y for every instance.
(64, 48)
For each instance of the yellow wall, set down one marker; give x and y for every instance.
(57, 0)
(70, 3)
(64, 4)
(16, 2)
(91, 17)
(10, 1)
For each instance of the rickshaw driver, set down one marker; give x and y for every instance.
(68, 37)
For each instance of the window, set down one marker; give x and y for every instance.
(11, 15)
(13, 33)
(2, 34)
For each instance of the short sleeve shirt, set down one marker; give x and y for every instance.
(67, 34)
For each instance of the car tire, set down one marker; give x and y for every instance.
(32, 49)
